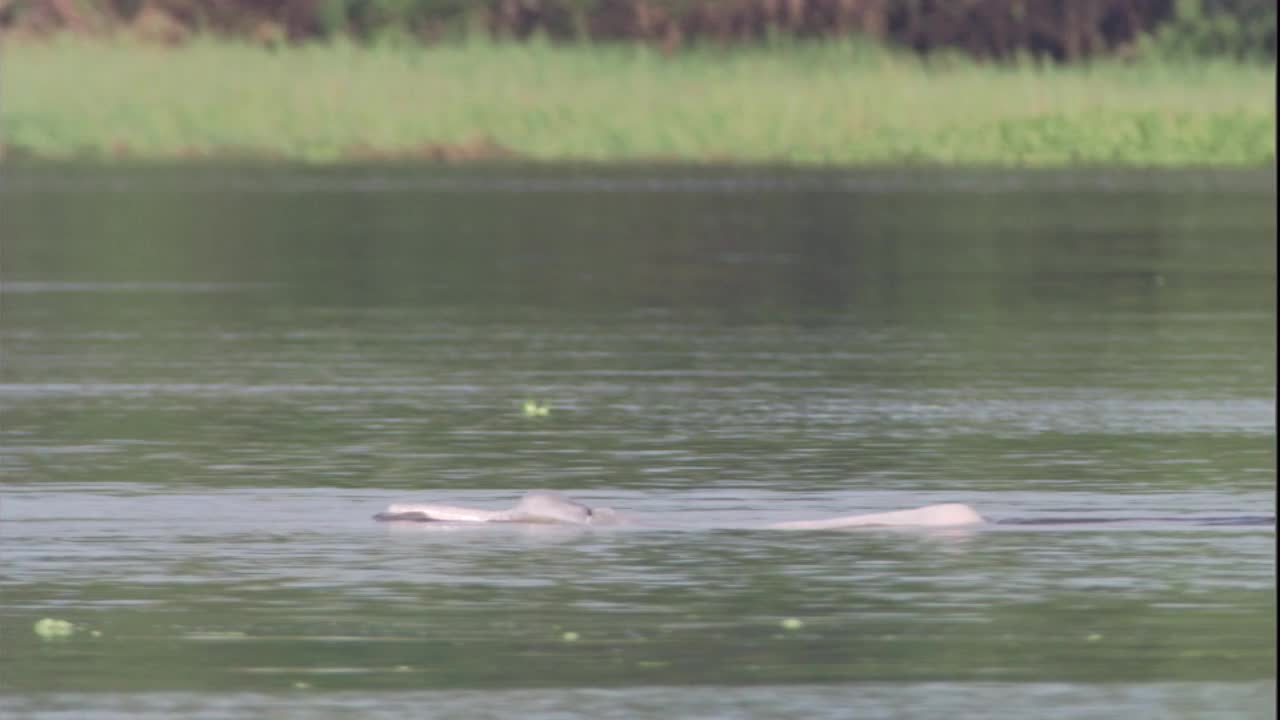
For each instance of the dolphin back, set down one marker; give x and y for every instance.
(944, 515)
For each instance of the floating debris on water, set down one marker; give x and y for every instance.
(792, 624)
(50, 628)
(570, 636)
(533, 408)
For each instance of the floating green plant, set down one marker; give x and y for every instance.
(533, 408)
(51, 628)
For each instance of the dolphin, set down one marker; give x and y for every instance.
(941, 515)
(541, 506)
(547, 507)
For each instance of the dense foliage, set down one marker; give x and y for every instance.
(991, 29)
(821, 103)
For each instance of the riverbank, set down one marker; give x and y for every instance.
(836, 104)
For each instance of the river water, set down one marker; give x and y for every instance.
(212, 378)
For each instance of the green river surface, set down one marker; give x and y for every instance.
(212, 377)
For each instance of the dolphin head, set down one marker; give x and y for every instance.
(550, 507)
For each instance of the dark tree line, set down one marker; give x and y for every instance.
(990, 29)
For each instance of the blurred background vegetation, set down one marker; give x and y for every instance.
(1032, 83)
(987, 29)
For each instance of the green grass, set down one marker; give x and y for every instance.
(829, 104)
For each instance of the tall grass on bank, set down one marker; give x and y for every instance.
(834, 103)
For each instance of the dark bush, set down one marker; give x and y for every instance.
(991, 29)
